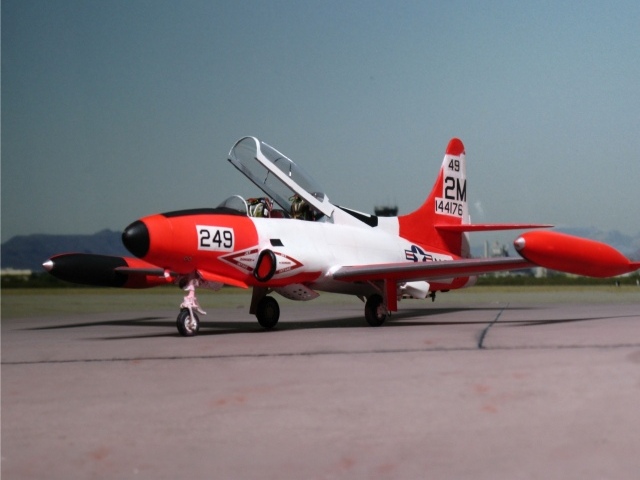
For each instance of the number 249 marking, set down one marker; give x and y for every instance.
(218, 239)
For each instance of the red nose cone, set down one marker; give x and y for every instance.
(136, 238)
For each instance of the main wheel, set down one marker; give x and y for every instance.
(268, 312)
(188, 325)
(375, 311)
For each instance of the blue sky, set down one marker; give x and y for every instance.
(118, 109)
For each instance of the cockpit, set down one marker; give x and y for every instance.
(290, 192)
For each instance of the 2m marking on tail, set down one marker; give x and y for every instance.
(455, 195)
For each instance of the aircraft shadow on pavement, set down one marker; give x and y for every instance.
(139, 322)
(409, 317)
(540, 323)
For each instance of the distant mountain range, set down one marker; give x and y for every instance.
(29, 251)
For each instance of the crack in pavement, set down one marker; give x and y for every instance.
(484, 332)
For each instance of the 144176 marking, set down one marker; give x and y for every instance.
(455, 196)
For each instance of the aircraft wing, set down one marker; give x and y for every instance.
(393, 273)
(553, 250)
(404, 271)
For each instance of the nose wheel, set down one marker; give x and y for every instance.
(188, 323)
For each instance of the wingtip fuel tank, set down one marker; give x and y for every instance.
(567, 253)
(105, 271)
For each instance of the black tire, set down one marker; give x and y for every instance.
(187, 326)
(375, 312)
(268, 312)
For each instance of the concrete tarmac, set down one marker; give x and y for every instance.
(479, 389)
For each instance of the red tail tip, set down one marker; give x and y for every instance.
(455, 147)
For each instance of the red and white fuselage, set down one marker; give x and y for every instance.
(230, 249)
(295, 242)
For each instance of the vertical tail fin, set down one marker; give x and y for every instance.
(446, 205)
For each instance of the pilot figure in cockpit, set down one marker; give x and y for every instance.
(301, 209)
(259, 207)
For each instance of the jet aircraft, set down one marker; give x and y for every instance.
(295, 242)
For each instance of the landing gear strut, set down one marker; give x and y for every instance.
(188, 322)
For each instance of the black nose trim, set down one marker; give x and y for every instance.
(136, 238)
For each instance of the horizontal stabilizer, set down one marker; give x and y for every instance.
(489, 227)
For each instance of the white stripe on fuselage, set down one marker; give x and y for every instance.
(323, 247)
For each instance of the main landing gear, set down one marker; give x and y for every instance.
(268, 312)
(375, 310)
(264, 307)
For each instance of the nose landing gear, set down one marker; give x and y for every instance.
(188, 322)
